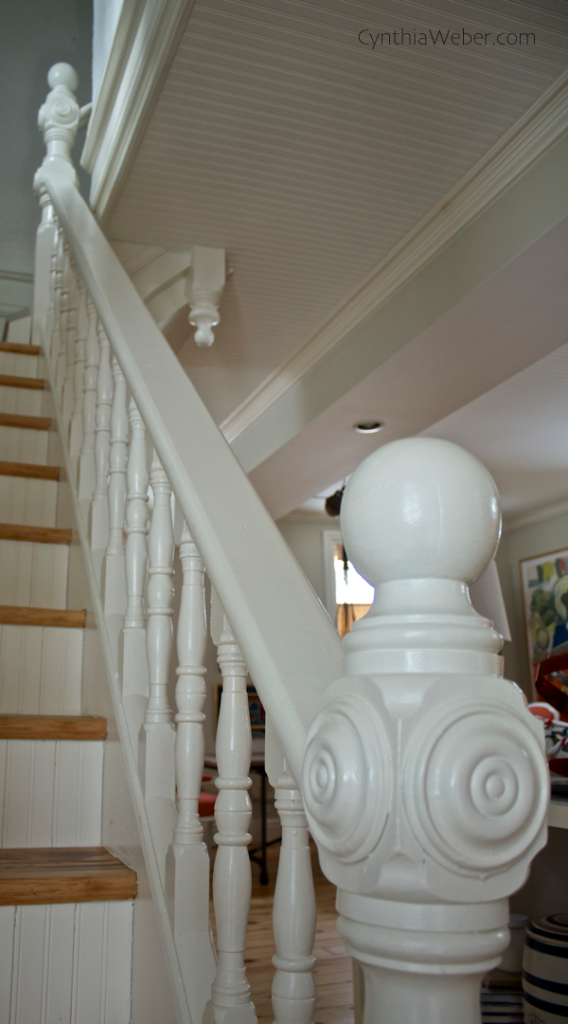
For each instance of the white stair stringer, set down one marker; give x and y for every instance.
(33, 574)
(27, 502)
(66, 962)
(40, 670)
(19, 444)
(51, 792)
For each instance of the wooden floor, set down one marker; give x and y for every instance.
(333, 968)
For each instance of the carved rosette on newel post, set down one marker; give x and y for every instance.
(425, 782)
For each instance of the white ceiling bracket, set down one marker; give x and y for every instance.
(205, 283)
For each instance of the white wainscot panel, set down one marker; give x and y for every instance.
(68, 963)
(23, 401)
(20, 445)
(28, 502)
(40, 670)
(51, 792)
(18, 364)
(33, 575)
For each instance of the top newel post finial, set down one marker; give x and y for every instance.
(421, 521)
(59, 120)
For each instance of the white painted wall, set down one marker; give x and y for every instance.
(105, 19)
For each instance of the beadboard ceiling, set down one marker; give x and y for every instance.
(308, 155)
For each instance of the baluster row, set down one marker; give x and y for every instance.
(109, 455)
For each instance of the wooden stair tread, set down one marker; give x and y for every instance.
(29, 469)
(52, 727)
(13, 419)
(25, 350)
(17, 615)
(35, 534)
(63, 875)
(8, 381)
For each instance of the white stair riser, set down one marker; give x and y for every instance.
(68, 963)
(23, 401)
(19, 331)
(40, 670)
(33, 575)
(51, 792)
(28, 502)
(18, 364)
(17, 444)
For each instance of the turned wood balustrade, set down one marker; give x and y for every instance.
(412, 761)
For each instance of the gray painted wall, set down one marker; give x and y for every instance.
(35, 35)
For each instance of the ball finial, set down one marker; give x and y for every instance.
(421, 508)
(63, 74)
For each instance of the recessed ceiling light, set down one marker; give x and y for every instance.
(368, 427)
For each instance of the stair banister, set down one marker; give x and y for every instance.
(422, 774)
(231, 527)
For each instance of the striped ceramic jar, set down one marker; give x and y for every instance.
(545, 971)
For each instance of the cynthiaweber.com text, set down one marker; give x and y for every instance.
(444, 37)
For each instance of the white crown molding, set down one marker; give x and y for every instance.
(309, 515)
(527, 140)
(560, 508)
(20, 276)
(146, 37)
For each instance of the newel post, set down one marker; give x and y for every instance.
(424, 781)
(59, 119)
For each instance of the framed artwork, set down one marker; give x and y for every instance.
(256, 710)
(544, 586)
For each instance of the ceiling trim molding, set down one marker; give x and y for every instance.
(511, 156)
(559, 508)
(307, 515)
(21, 276)
(145, 41)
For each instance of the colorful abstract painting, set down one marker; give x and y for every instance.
(544, 584)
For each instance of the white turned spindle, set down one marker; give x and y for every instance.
(87, 470)
(114, 571)
(99, 504)
(55, 340)
(294, 914)
(424, 779)
(133, 653)
(190, 693)
(159, 632)
(67, 398)
(157, 738)
(230, 993)
(188, 874)
(65, 305)
(51, 311)
(76, 425)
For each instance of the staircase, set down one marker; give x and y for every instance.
(66, 903)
